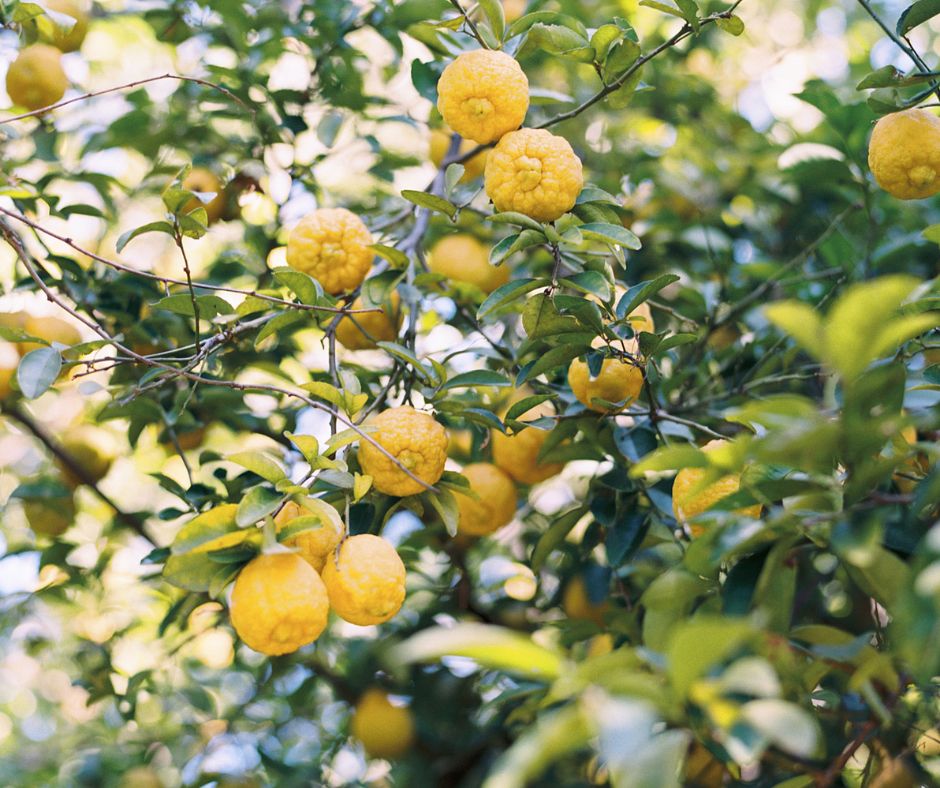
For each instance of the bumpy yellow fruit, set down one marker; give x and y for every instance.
(619, 382)
(36, 79)
(904, 154)
(483, 94)
(517, 455)
(577, 604)
(9, 360)
(415, 439)
(385, 730)
(440, 144)
(378, 326)
(313, 546)
(279, 603)
(496, 505)
(332, 245)
(365, 580)
(688, 501)
(463, 258)
(534, 172)
(205, 182)
(71, 40)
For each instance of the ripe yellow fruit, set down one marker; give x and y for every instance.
(904, 154)
(577, 604)
(365, 580)
(534, 172)
(463, 258)
(205, 182)
(928, 743)
(378, 326)
(316, 545)
(483, 94)
(279, 603)
(52, 329)
(385, 730)
(9, 360)
(517, 455)
(440, 144)
(93, 450)
(49, 516)
(688, 501)
(496, 505)
(332, 245)
(415, 439)
(71, 40)
(513, 9)
(618, 381)
(36, 78)
(894, 773)
(188, 440)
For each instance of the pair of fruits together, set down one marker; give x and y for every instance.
(36, 78)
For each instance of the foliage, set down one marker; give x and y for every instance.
(594, 640)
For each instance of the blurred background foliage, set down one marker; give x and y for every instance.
(797, 650)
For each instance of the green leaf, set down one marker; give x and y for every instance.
(613, 234)
(257, 504)
(507, 293)
(476, 377)
(511, 217)
(495, 16)
(404, 354)
(732, 24)
(395, 257)
(890, 77)
(452, 176)
(515, 243)
(556, 357)
(307, 289)
(260, 464)
(558, 40)
(182, 304)
(211, 530)
(153, 227)
(491, 646)
(431, 201)
(916, 14)
(641, 292)
(38, 370)
(554, 536)
(799, 321)
(698, 645)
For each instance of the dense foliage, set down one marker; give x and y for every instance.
(169, 383)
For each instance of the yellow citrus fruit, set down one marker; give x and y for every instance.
(513, 9)
(71, 40)
(440, 144)
(894, 773)
(52, 329)
(377, 326)
(316, 545)
(689, 501)
(332, 245)
(496, 505)
(483, 94)
(577, 604)
(187, 439)
(9, 359)
(92, 448)
(279, 603)
(463, 258)
(904, 154)
(385, 730)
(365, 580)
(517, 454)
(928, 743)
(415, 439)
(205, 182)
(912, 466)
(533, 172)
(36, 79)
(49, 516)
(618, 381)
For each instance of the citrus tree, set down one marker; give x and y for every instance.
(429, 392)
